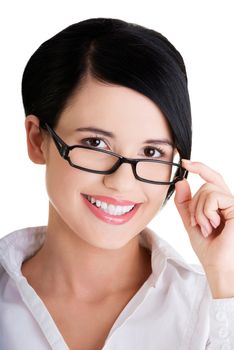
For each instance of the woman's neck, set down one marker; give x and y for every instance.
(68, 265)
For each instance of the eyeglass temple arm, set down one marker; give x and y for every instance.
(62, 147)
(183, 173)
(182, 176)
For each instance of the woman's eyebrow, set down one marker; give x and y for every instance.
(110, 134)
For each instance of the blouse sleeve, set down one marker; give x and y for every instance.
(221, 336)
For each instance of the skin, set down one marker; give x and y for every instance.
(208, 218)
(75, 257)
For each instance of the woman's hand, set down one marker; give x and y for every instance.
(208, 218)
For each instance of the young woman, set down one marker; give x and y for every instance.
(107, 111)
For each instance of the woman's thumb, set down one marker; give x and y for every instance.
(182, 198)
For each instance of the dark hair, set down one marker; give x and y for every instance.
(111, 51)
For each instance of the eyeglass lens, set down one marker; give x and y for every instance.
(100, 161)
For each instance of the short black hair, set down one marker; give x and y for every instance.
(111, 51)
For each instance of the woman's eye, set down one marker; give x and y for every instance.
(93, 142)
(154, 152)
(97, 142)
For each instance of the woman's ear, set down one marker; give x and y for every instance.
(36, 140)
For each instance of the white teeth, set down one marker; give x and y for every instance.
(104, 205)
(98, 203)
(110, 208)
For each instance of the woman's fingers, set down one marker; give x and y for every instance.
(204, 214)
(207, 174)
(203, 209)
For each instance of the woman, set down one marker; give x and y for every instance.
(107, 111)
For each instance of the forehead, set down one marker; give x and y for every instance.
(115, 108)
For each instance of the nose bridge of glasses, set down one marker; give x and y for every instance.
(123, 160)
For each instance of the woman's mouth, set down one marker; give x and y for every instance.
(110, 208)
(110, 213)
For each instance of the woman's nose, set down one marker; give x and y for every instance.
(122, 180)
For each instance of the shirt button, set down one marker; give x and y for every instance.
(220, 316)
(223, 333)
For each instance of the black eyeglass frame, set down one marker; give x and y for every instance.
(64, 150)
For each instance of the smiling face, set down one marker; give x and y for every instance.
(132, 118)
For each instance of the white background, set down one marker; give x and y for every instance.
(203, 33)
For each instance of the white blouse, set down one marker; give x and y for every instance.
(173, 309)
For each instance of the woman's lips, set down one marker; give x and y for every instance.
(108, 218)
(111, 200)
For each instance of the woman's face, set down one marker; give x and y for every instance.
(132, 118)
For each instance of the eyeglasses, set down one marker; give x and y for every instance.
(101, 161)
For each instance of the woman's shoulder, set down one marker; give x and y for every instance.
(23, 239)
(17, 246)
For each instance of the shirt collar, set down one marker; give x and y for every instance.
(19, 245)
(163, 253)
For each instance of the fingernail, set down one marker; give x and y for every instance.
(214, 224)
(187, 161)
(193, 221)
(204, 232)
